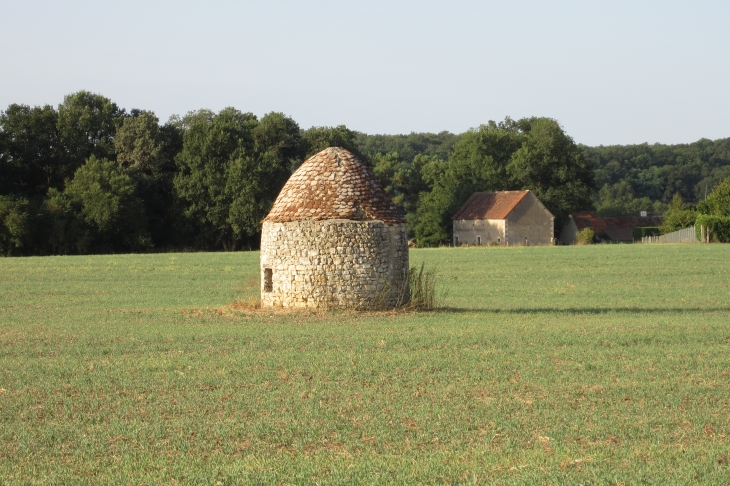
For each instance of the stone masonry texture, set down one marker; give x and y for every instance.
(335, 264)
(333, 184)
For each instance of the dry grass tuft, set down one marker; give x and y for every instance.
(423, 293)
(244, 305)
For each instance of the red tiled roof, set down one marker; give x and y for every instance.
(333, 184)
(599, 225)
(490, 205)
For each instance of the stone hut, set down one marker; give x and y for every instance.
(334, 239)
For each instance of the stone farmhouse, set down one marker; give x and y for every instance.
(612, 229)
(334, 239)
(503, 218)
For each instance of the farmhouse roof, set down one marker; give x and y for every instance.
(490, 205)
(607, 226)
(333, 184)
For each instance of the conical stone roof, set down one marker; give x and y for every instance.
(333, 184)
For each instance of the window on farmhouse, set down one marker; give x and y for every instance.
(268, 280)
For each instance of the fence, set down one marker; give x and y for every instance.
(687, 235)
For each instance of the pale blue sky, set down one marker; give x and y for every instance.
(611, 72)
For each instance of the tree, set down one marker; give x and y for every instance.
(678, 216)
(255, 181)
(146, 151)
(138, 143)
(87, 123)
(316, 139)
(408, 146)
(32, 159)
(619, 200)
(478, 163)
(659, 171)
(98, 211)
(403, 181)
(714, 214)
(718, 202)
(280, 137)
(14, 224)
(553, 167)
(231, 169)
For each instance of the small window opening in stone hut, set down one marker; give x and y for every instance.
(268, 280)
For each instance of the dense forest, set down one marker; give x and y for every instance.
(90, 177)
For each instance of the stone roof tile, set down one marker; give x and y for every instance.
(333, 184)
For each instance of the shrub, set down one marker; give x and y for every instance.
(678, 216)
(13, 224)
(718, 227)
(585, 236)
(422, 283)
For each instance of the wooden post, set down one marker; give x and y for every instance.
(702, 233)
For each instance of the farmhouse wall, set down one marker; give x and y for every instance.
(529, 220)
(468, 230)
(334, 263)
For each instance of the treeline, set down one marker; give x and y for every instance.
(645, 177)
(91, 177)
(712, 213)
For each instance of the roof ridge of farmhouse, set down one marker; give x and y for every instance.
(490, 205)
(333, 184)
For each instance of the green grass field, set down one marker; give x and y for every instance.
(550, 365)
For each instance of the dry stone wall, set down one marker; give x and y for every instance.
(334, 264)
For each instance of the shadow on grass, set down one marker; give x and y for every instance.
(589, 310)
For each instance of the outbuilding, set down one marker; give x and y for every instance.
(334, 239)
(503, 218)
(615, 229)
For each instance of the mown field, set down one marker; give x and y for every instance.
(548, 365)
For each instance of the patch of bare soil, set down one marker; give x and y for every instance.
(252, 307)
